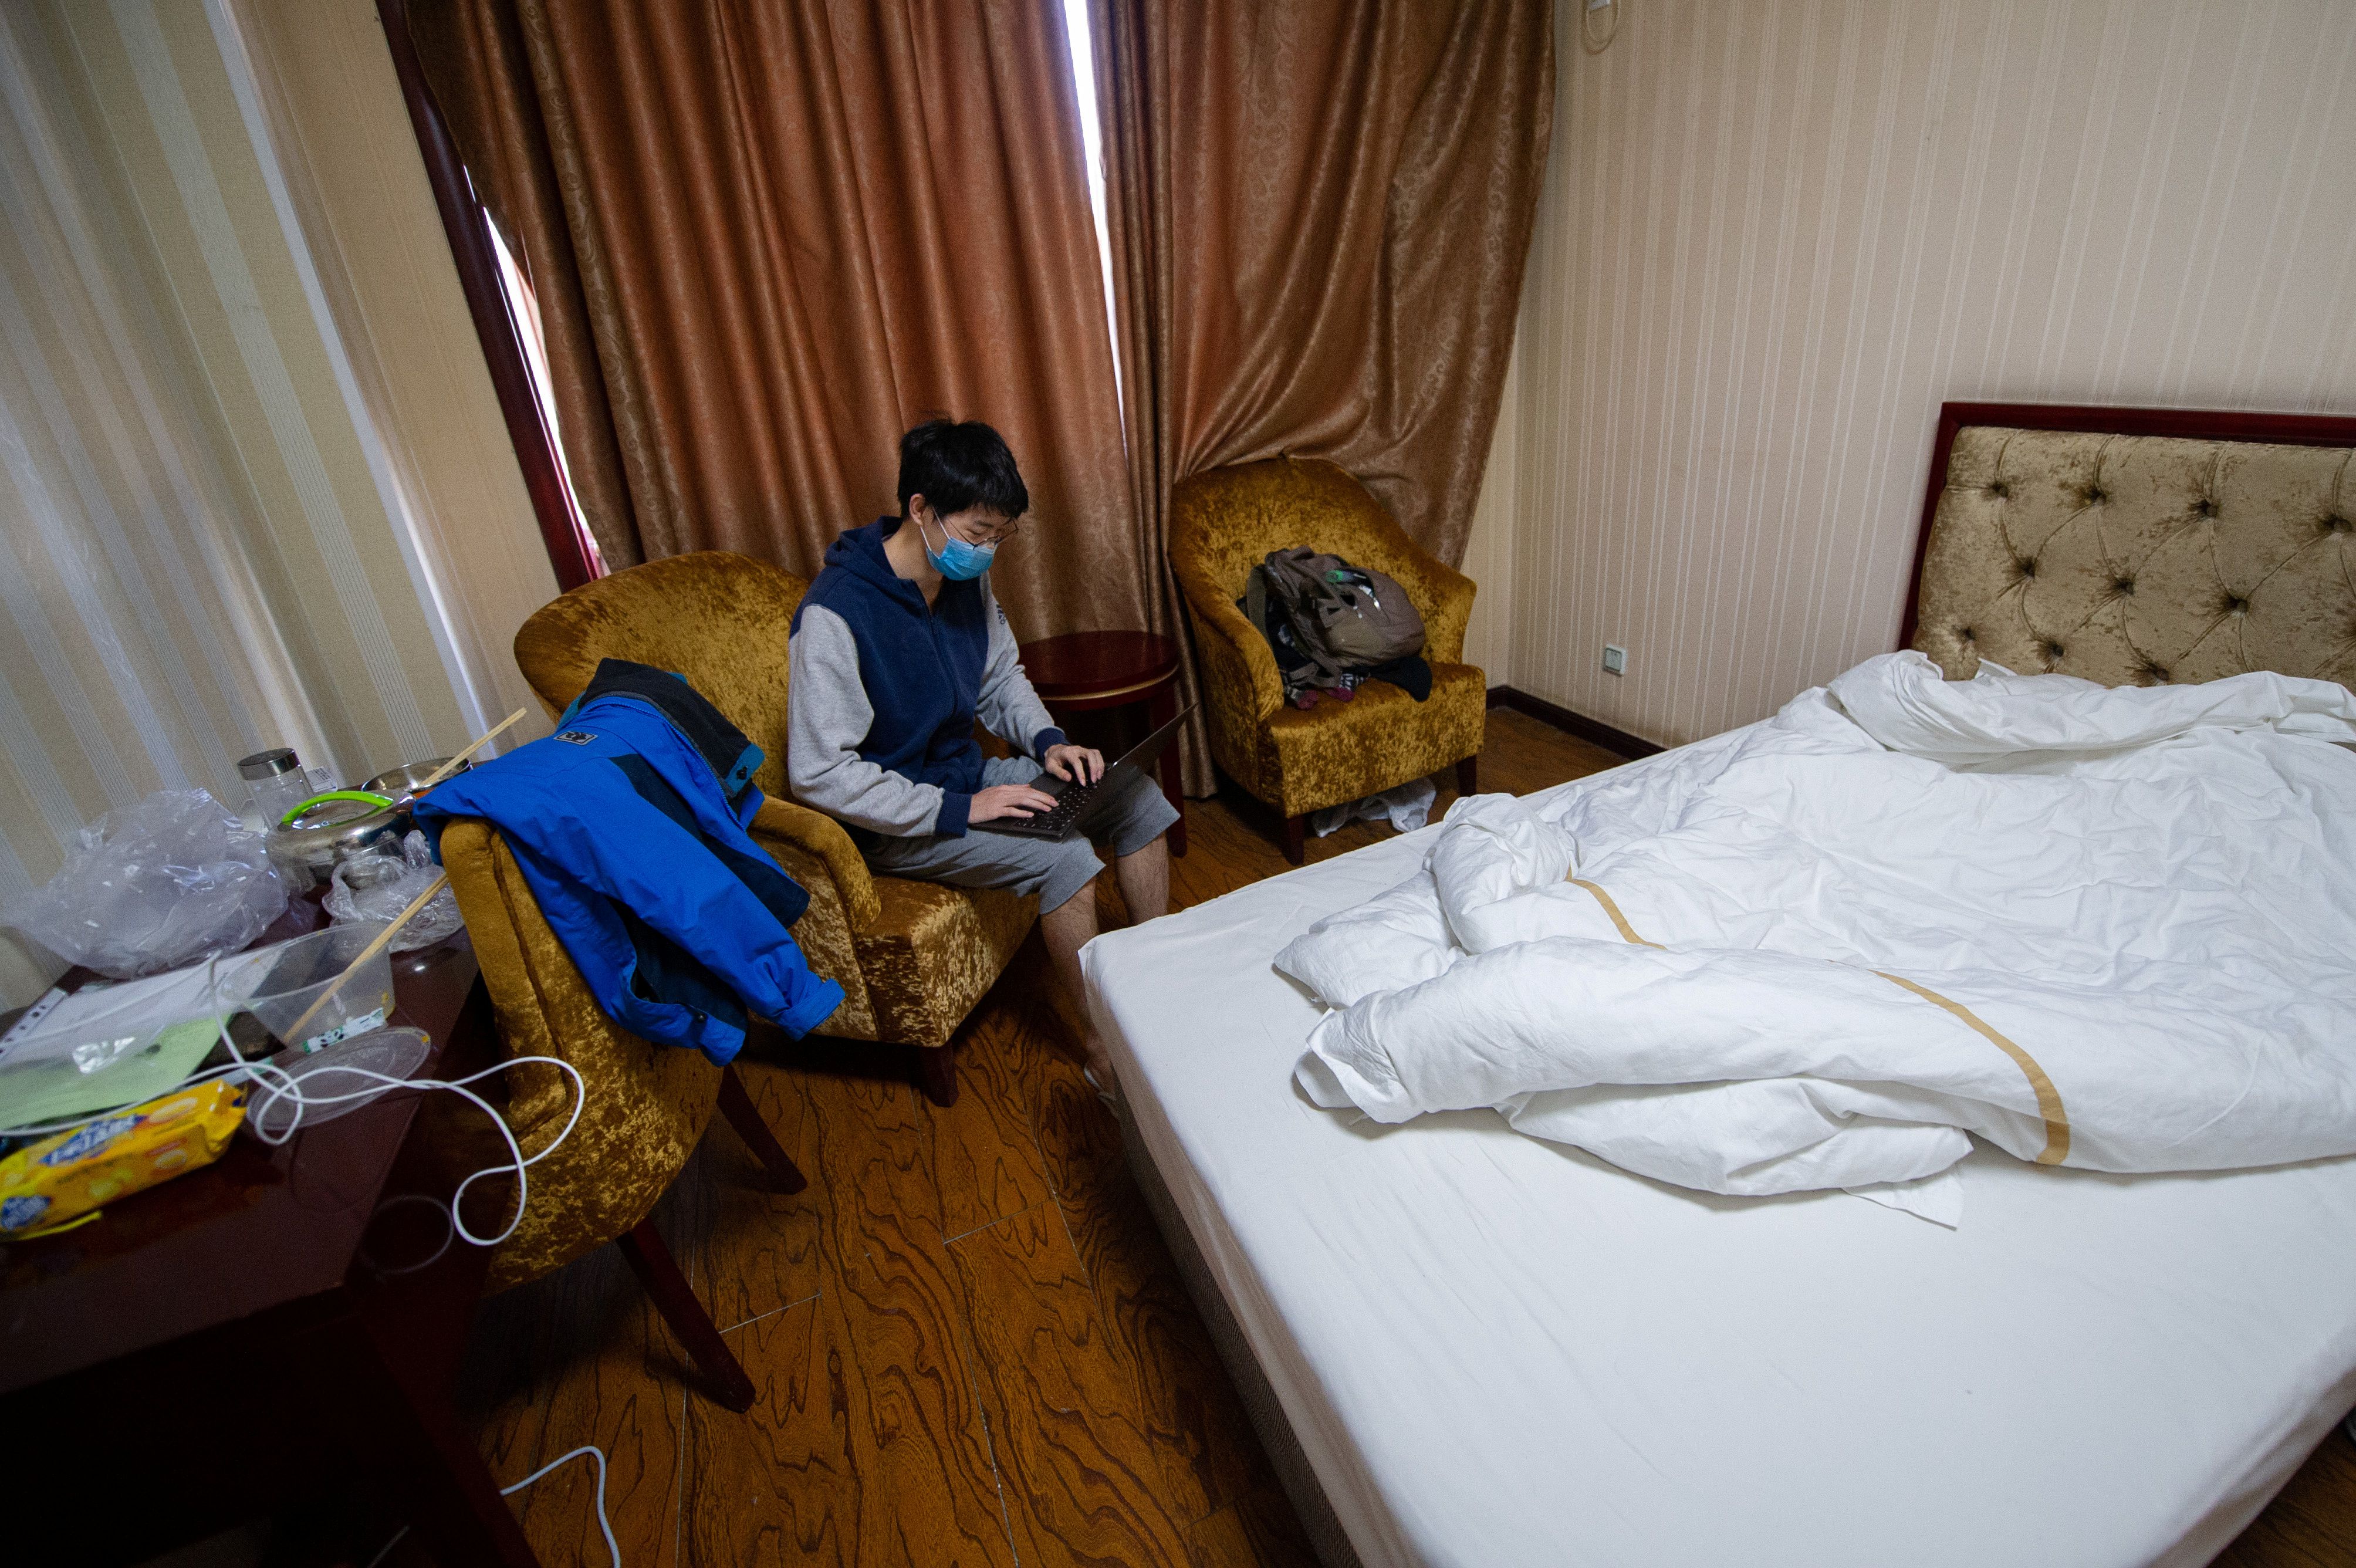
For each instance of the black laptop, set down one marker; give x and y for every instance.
(1077, 805)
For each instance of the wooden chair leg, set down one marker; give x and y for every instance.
(736, 1104)
(1468, 775)
(651, 1261)
(936, 1074)
(392, 1404)
(1296, 839)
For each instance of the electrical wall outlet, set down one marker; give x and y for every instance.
(1615, 659)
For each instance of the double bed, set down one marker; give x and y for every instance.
(1464, 1346)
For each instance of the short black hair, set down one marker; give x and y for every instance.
(956, 465)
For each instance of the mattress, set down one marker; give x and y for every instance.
(1493, 1351)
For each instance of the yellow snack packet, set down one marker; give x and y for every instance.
(50, 1182)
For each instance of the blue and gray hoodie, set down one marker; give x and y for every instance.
(884, 690)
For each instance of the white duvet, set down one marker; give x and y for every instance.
(2107, 927)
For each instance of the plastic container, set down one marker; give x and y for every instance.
(390, 1053)
(299, 974)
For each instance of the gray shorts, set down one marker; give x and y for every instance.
(1054, 870)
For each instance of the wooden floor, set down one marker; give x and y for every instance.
(969, 1343)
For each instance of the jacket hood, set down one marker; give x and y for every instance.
(860, 552)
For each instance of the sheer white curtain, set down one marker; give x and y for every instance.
(135, 654)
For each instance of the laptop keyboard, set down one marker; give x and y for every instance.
(1067, 806)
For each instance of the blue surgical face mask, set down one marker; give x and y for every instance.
(955, 560)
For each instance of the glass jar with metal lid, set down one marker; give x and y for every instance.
(276, 780)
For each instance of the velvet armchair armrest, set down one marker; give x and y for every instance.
(813, 850)
(1237, 664)
(1448, 613)
(820, 838)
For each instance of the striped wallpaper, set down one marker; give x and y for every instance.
(1775, 236)
(199, 555)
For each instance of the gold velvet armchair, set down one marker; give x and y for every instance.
(1222, 525)
(913, 958)
(643, 1111)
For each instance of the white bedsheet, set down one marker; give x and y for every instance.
(1500, 1351)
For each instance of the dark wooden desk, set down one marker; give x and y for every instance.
(1087, 670)
(261, 1330)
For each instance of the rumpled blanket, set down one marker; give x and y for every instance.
(2107, 927)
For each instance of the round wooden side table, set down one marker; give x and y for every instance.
(1086, 670)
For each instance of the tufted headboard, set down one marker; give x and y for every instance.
(2134, 546)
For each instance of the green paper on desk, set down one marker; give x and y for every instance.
(139, 1038)
(56, 1089)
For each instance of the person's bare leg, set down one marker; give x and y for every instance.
(1066, 929)
(1144, 878)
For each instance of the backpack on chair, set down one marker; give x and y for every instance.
(1343, 617)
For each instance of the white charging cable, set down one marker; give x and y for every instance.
(278, 1084)
(589, 1448)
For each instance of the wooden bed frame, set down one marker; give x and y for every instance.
(2191, 424)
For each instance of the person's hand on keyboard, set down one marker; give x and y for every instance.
(1080, 764)
(1008, 801)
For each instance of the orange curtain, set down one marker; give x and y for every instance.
(1322, 211)
(473, 54)
(1319, 215)
(776, 233)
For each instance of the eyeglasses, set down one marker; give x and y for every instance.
(979, 536)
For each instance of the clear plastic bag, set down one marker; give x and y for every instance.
(377, 887)
(155, 885)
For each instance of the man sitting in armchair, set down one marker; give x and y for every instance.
(895, 650)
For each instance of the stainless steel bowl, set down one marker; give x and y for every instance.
(400, 784)
(331, 830)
